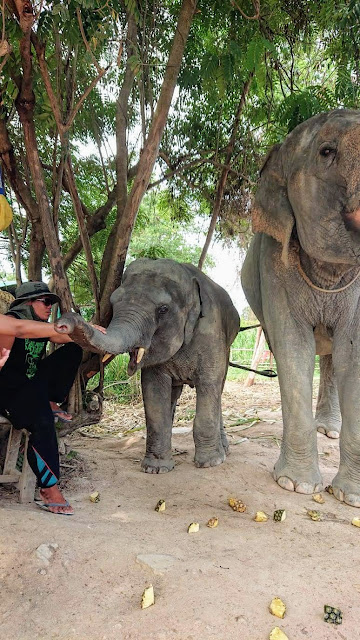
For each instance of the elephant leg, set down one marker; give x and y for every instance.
(157, 397)
(293, 343)
(327, 416)
(209, 449)
(346, 356)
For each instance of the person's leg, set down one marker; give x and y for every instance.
(29, 408)
(59, 370)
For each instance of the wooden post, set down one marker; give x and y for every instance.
(257, 353)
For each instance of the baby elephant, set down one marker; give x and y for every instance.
(177, 326)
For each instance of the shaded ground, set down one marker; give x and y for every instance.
(217, 583)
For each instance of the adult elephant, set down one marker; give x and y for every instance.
(301, 278)
(178, 326)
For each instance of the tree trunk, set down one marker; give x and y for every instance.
(121, 146)
(147, 159)
(25, 103)
(36, 251)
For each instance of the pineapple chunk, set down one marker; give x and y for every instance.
(237, 505)
(279, 515)
(277, 608)
(260, 516)
(212, 523)
(277, 634)
(147, 598)
(160, 506)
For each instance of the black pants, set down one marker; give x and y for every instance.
(28, 408)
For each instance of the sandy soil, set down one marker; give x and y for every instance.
(217, 583)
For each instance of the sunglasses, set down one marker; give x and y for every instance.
(46, 301)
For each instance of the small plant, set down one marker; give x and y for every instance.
(117, 384)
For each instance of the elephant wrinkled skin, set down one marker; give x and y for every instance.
(301, 277)
(178, 326)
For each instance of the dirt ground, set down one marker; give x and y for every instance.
(216, 583)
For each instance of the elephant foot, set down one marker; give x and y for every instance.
(329, 428)
(298, 479)
(346, 490)
(328, 422)
(330, 433)
(157, 465)
(203, 460)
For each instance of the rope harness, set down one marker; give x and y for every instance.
(268, 373)
(314, 286)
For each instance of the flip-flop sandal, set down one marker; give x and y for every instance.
(45, 506)
(60, 415)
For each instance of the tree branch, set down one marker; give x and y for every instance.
(256, 4)
(225, 171)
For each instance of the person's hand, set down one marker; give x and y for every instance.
(4, 354)
(96, 326)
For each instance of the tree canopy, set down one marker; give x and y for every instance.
(124, 121)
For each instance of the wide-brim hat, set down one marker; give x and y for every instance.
(31, 291)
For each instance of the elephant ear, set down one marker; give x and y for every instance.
(199, 308)
(272, 212)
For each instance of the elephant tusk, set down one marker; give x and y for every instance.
(106, 357)
(140, 354)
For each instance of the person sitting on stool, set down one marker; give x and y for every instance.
(31, 388)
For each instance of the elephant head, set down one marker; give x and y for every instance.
(155, 311)
(310, 187)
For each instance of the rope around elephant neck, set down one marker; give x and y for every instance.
(314, 286)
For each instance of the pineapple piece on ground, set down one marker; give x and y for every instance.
(332, 614)
(261, 516)
(213, 522)
(277, 634)
(193, 527)
(277, 608)
(279, 515)
(160, 506)
(237, 505)
(314, 515)
(329, 489)
(147, 598)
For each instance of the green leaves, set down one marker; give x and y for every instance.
(256, 49)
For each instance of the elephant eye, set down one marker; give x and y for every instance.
(163, 309)
(326, 150)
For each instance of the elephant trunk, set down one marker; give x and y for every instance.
(118, 339)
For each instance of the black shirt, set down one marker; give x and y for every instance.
(23, 360)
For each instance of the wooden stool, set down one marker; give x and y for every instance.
(25, 480)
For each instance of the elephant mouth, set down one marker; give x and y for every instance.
(352, 220)
(136, 355)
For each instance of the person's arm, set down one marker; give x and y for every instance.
(62, 338)
(16, 328)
